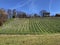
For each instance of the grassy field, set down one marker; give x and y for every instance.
(32, 26)
(31, 31)
(30, 39)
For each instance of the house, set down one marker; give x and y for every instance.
(36, 15)
(46, 14)
(21, 15)
(57, 15)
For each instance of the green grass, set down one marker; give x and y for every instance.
(32, 26)
(30, 39)
(31, 31)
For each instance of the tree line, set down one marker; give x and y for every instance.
(8, 14)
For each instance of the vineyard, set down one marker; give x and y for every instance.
(31, 26)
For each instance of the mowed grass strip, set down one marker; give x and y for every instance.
(33, 26)
(30, 39)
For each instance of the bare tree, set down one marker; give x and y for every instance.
(14, 13)
(3, 16)
(9, 13)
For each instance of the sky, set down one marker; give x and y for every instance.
(32, 6)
